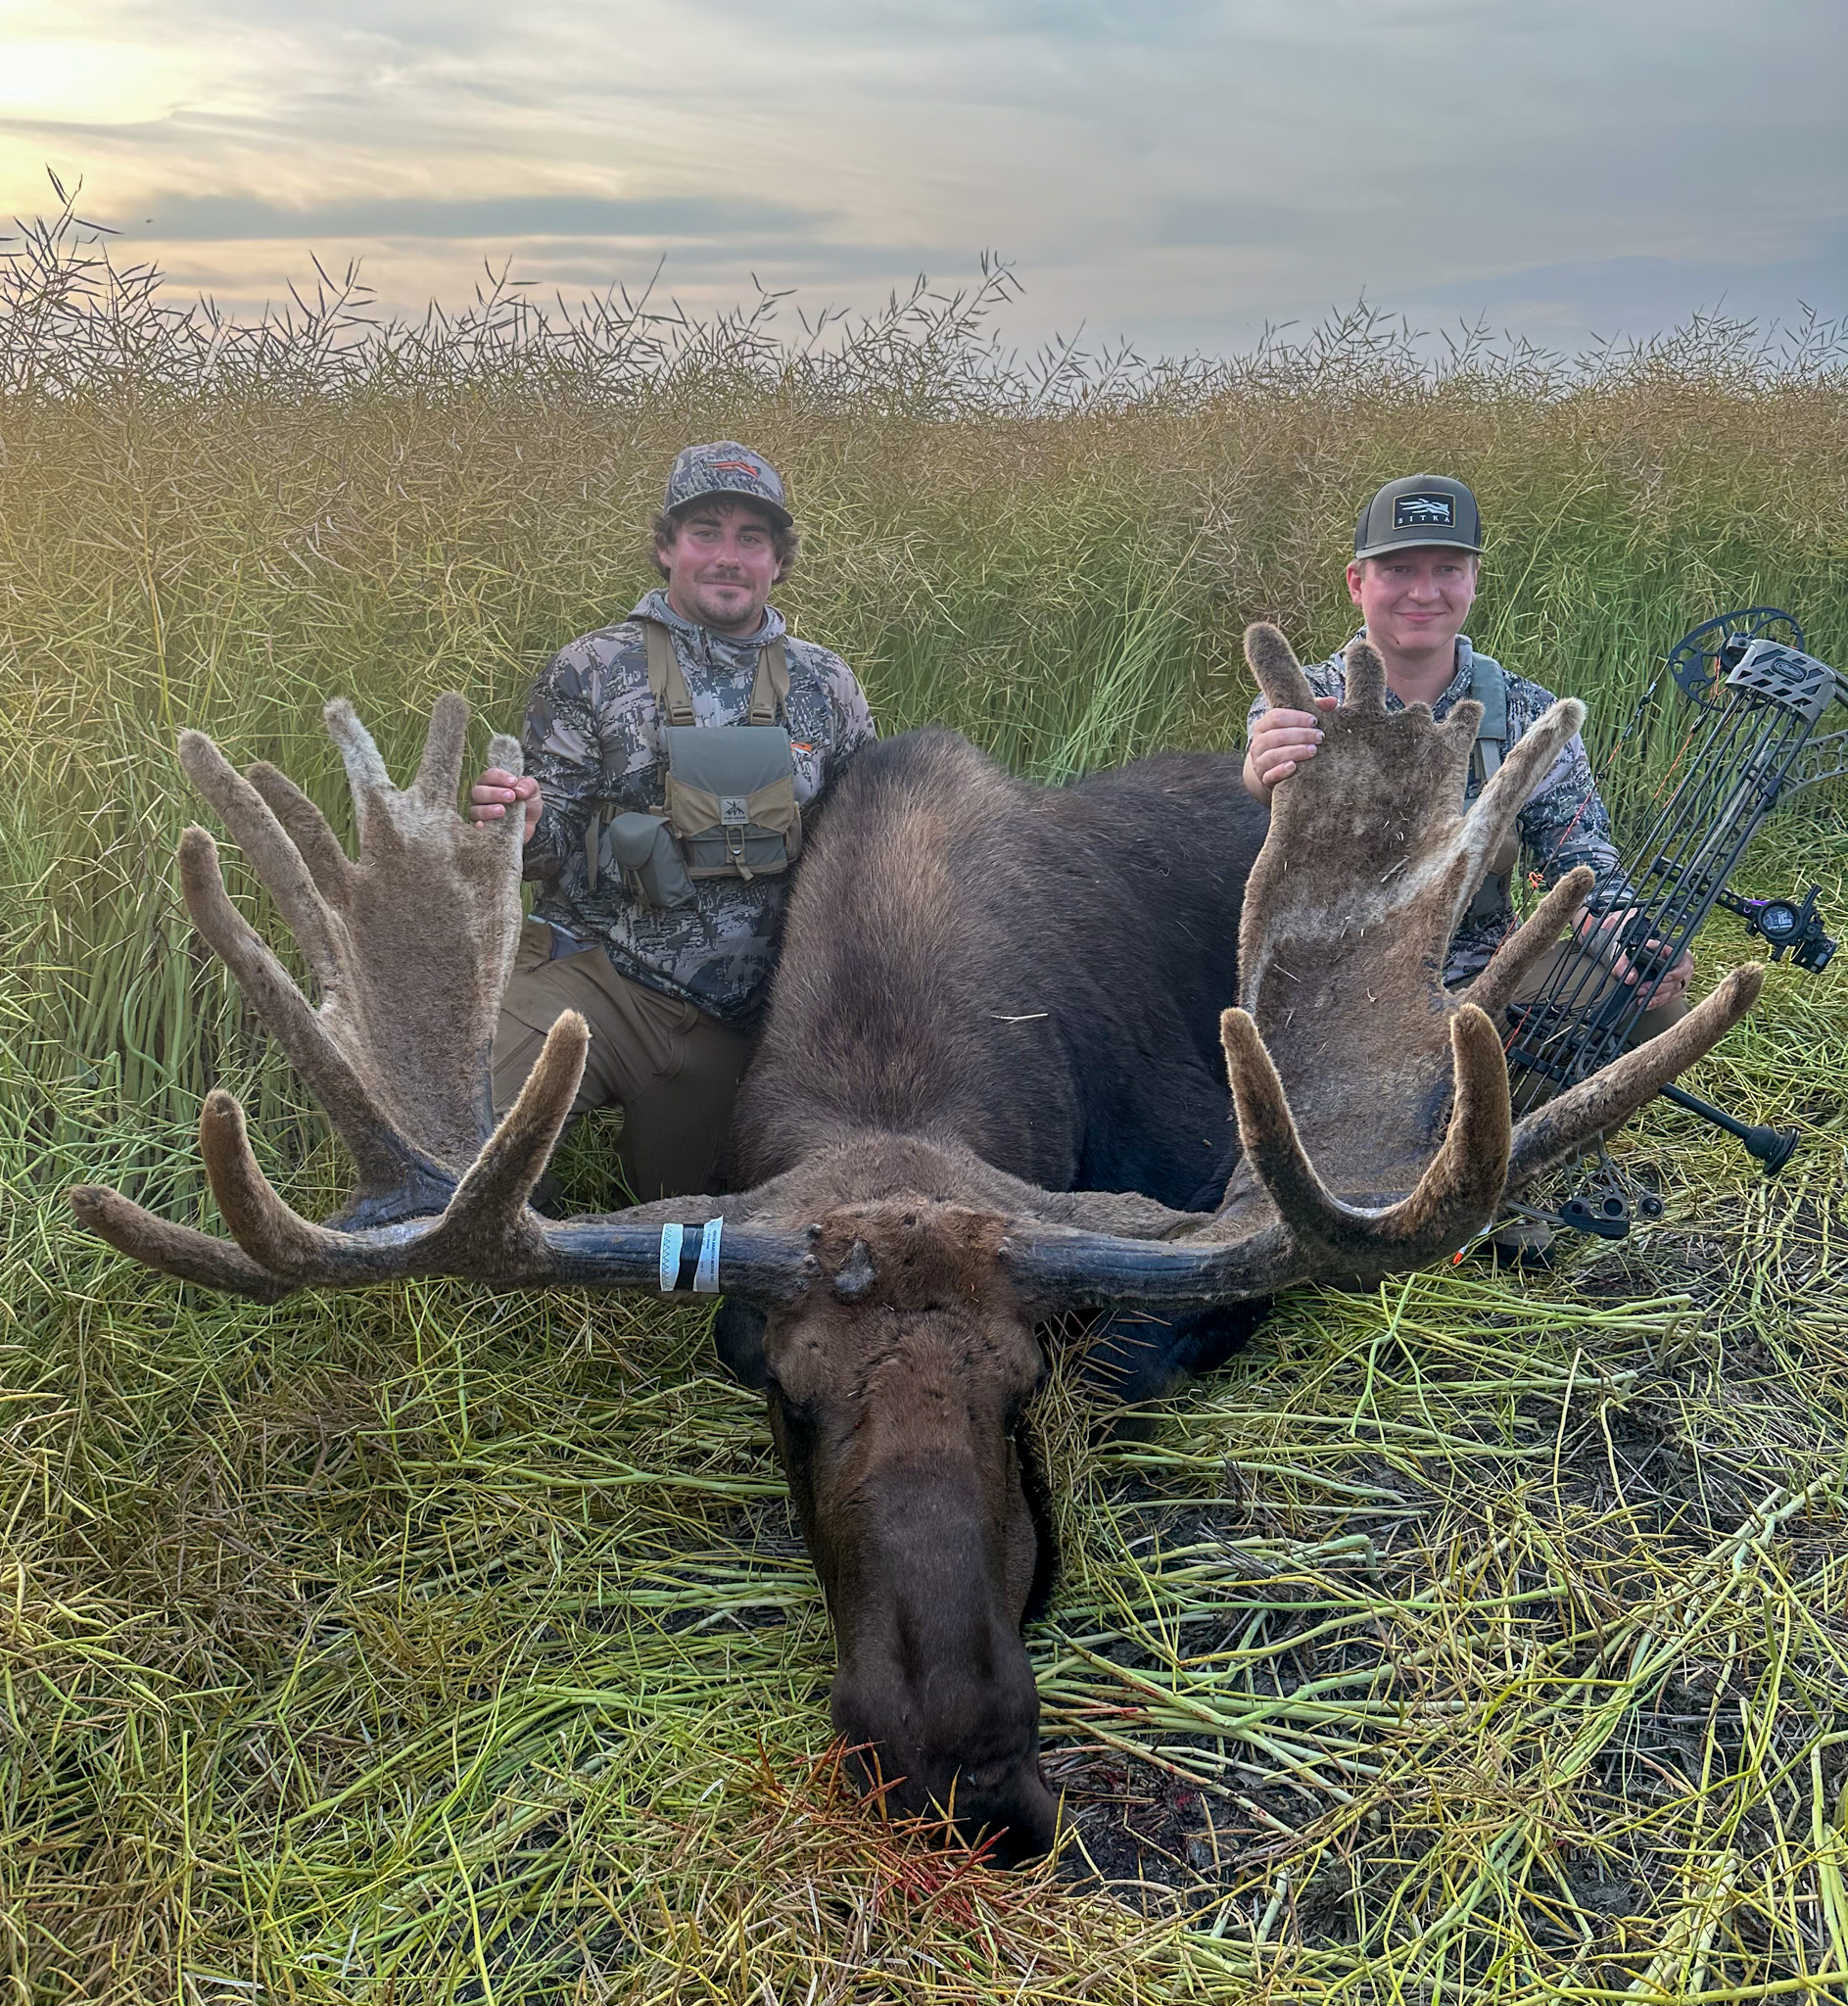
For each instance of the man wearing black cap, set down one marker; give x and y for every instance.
(668, 758)
(1417, 548)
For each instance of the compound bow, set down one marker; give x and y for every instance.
(1753, 742)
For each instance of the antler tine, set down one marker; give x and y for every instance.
(183, 1252)
(1548, 1135)
(440, 775)
(262, 1224)
(1492, 813)
(1364, 678)
(1273, 661)
(309, 831)
(382, 1157)
(488, 1216)
(367, 772)
(1513, 782)
(272, 851)
(508, 754)
(1454, 1198)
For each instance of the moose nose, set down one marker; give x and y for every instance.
(975, 1759)
(1004, 1805)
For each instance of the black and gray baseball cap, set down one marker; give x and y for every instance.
(1416, 513)
(726, 468)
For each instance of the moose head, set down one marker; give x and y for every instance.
(900, 1273)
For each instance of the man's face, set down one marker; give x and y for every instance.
(1415, 601)
(722, 565)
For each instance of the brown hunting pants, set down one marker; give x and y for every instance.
(673, 1069)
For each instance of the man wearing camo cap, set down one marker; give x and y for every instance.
(672, 994)
(1417, 556)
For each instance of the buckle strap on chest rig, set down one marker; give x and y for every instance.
(1490, 687)
(770, 687)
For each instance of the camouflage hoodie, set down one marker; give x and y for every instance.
(593, 738)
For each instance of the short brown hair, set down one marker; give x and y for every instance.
(785, 540)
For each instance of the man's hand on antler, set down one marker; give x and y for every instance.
(497, 790)
(1281, 741)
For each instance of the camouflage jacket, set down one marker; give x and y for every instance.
(592, 740)
(1564, 822)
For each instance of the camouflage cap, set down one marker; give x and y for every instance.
(1415, 512)
(726, 468)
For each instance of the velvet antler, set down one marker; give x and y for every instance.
(1372, 1103)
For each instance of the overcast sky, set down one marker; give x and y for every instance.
(1175, 172)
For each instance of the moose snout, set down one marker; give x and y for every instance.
(988, 1780)
(927, 1585)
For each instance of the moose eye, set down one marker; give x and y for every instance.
(796, 1412)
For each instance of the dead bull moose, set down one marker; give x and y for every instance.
(990, 996)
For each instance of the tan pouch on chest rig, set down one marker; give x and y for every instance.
(730, 789)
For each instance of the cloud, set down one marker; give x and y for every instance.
(1209, 223)
(1177, 170)
(1610, 296)
(227, 218)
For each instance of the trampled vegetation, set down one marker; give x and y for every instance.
(1487, 1638)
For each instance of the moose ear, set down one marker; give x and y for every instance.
(738, 1336)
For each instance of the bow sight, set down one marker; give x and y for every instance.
(1756, 699)
(1791, 927)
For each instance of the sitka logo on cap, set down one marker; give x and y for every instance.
(1423, 511)
(736, 467)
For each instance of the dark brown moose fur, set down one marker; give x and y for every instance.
(1032, 974)
(988, 1090)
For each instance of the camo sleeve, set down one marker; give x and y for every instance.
(1565, 824)
(848, 724)
(856, 727)
(565, 738)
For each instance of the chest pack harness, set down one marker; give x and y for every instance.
(729, 808)
(1490, 687)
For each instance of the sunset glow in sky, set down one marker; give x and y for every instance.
(1178, 171)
